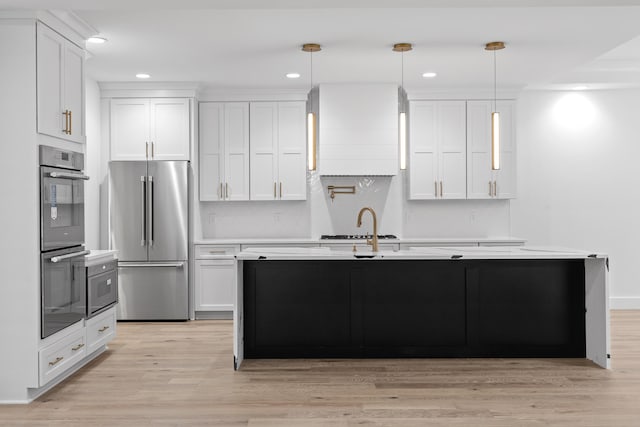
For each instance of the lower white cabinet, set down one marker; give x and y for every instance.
(57, 357)
(215, 278)
(100, 330)
(60, 354)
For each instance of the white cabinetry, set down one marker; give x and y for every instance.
(437, 166)
(278, 147)
(60, 89)
(61, 355)
(150, 128)
(215, 278)
(482, 182)
(101, 329)
(224, 151)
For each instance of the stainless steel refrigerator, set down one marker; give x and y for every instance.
(149, 226)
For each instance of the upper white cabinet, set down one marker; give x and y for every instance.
(224, 151)
(150, 128)
(60, 75)
(437, 150)
(358, 126)
(278, 150)
(482, 181)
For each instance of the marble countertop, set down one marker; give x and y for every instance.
(422, 253)
(318, 241)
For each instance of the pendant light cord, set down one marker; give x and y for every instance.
(402, 80)
(494, 81)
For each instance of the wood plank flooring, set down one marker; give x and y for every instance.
(180, 374)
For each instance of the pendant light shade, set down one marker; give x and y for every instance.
(311, 116)
(495, 116)
(402, 117)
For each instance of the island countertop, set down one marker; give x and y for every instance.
(418, 253)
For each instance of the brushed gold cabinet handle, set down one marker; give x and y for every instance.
(104, 328)
(490, 189)
(55, 362)
(153, 149)
(435, 183)
(281, 190)
(440, 188)
(146, 150)
(65, 113)
(78, 347)
(226, 191)
(70, 122)
(220, 252)
(275, 185)
(495, 188)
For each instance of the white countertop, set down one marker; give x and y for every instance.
(423, 253)
(318, 241)
(96, 256)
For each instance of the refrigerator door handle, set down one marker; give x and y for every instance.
(143, 222)
(150, 210)
(151, 264)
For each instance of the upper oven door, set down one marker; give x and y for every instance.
(61, 208)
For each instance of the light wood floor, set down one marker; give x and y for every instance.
(180, 374)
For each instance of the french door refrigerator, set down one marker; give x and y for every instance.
(148, 226)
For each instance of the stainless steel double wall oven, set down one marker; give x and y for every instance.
(63, 273)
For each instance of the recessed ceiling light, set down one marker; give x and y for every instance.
(143, 75)
(581, 87)
(96, 40)
(429, 74)
(293, 75)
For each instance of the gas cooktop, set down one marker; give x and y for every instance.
(355, 236)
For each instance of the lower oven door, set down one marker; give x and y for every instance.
(62, 289)
(102, 288)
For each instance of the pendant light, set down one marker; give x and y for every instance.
(311, 116)
(402, 119)
(495, 116)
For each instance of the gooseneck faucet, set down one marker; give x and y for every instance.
(374, 239)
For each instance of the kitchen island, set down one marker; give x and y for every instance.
(422, 302)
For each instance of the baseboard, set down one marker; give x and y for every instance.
(214, 315)
(624, 303)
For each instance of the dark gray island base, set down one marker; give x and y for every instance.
(413, 308)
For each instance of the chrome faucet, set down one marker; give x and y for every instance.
(374, 240)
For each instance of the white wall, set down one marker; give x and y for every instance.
(92, 165)
(578, 176)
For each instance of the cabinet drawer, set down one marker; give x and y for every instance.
(61, 355)
(214, 251)
(101, 329)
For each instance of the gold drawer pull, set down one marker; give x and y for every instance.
(55, 362)
(104, 328)
(217, 252)
(78, 347)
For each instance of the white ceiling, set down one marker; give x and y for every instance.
(232, 44)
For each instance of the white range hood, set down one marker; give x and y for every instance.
(358, 129)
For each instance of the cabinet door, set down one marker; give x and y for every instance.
(423, 152)
(292, 171)
(215, 285)
(170, 131)
(264, 150)
(129, 129)
(73, 100)
(236, 147)
(452, 144)
(479, 173)
(479, 176)
(50, 54)
(506, 178)
(211, 125)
